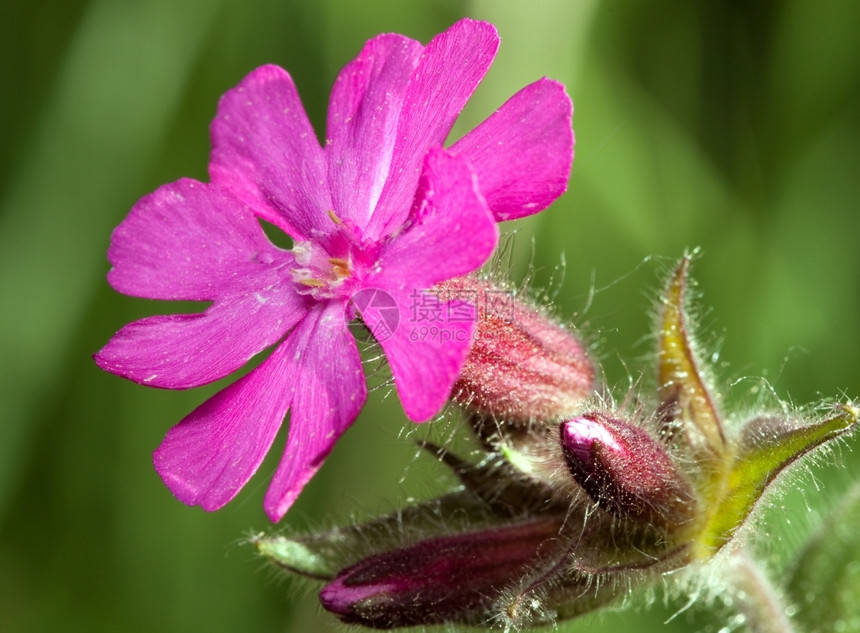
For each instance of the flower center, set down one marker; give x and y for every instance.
(332, 265)
(318, 274)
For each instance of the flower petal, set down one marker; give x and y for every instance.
(331, 391)
(425, 355)
(523, 152)
(450, 231)
(362, 120)
(187, 241)
(207, 458)
(189, 350)
(453, 64)
(265, 150)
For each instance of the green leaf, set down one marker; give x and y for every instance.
(767, 447)
(684, 396)
(825, 583)
(295, 556)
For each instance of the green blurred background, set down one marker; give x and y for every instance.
(730, 126)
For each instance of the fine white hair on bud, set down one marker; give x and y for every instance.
(522, 365)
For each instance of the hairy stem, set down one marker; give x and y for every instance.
(761, 604)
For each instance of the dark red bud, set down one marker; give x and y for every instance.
(454, 579)
(626, 471)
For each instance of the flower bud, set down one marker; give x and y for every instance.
(457, 578)
(627, 472)
(522, 366)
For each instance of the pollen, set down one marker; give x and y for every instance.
(339, 267)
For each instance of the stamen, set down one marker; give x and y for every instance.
(339, 266)
(334, 217)
(317, 273)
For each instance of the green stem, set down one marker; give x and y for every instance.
(761, 604)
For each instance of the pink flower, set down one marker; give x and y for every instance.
(382, 207)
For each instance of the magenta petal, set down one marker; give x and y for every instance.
(450, 231)
(362, 120)
(207, 458)
(330, 392)
(188, 350)
(187, 240)
(425, 356)
(523, 152)
(265, 150)
(453, 64)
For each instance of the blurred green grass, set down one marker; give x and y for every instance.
(730, 127)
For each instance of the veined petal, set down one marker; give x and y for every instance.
(523, 152)
(365, 105)
(265, 150)
(449, 232)
(453, 64)
(208, 457)
(330, 391)
(426, 356)
(189, 350)
(188, 241)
